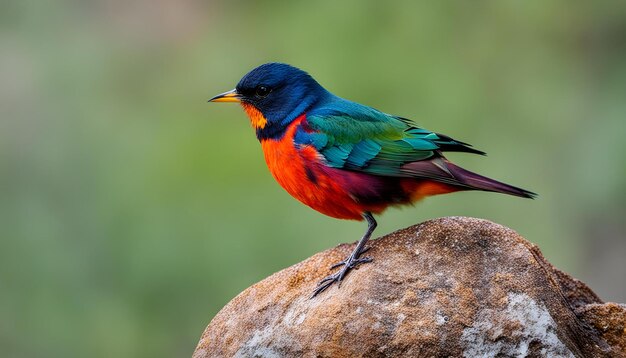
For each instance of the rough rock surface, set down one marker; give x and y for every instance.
(451, 287)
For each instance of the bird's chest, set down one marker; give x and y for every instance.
(295, 169)
(301, 172)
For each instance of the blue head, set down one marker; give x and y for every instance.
(278, 91)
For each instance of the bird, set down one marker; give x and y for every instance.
(348, 160)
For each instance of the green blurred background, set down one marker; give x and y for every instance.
(132, 210)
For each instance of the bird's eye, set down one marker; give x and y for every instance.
(262, 91)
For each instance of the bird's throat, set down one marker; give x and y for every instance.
(264, 129)
(257, 119)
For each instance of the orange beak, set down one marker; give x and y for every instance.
(230, 96)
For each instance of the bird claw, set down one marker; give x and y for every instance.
(354, 262)
(324, 284)
(338, 276)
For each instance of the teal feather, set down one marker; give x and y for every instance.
(356, 137)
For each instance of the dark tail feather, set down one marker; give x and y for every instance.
(448, 144)
(479, 182)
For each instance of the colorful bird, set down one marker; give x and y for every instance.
(345, 159)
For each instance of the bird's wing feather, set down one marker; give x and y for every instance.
(356, 137)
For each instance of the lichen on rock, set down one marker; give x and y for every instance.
(512, 331)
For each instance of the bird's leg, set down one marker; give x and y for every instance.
(352, 261)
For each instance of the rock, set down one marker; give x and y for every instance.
(451, 287)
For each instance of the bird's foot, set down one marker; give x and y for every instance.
(352, 261)
(348, 264)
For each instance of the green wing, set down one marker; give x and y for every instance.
(360, 138)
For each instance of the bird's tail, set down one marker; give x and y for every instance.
(478, 182)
